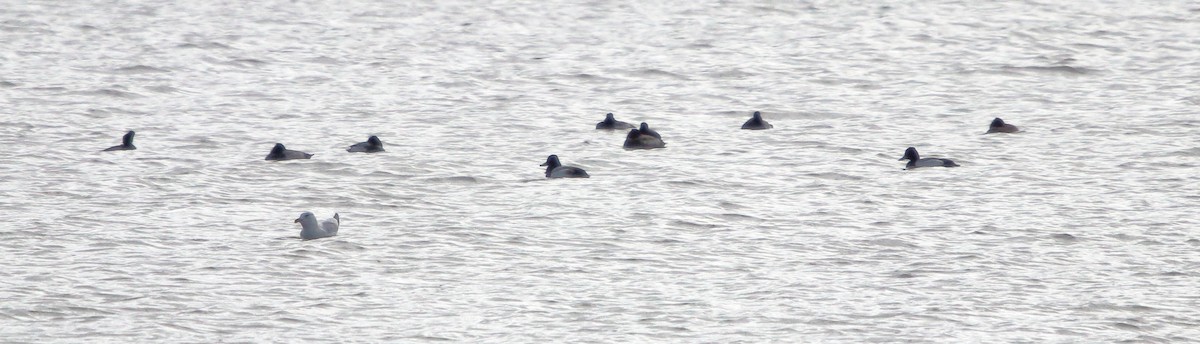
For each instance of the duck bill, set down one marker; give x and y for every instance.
(544, 164)
(297, 221)
(900, 159)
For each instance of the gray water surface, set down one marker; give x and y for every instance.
(1082, 228)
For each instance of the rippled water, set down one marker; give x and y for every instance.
(1082, 228)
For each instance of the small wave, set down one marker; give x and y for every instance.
(1190, 152)
(731, 74)
(164, 89)
(660, 73)
(892, 243)
(7, 84)
(204, 45)
(689, 224)
(1051, 69)
(834, 176)
(430, 338)
(454, 180)
(325, 60)
(1126, 326)
(245, 63)
(109, 92)
(589, 77)
(1097, 46)
(139, 69)
(457, 84)
(1064, 237)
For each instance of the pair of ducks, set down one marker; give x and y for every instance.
(639, 137)
(915, 160)
(279, 152)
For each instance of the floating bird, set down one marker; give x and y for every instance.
(636, 139)
(612, 123)
(757, 123)
(914, 160)
(998, 126)
(555, 169)
(126, 143)
(645, 130)
(279, 152)
(310, 229)
(372, 145)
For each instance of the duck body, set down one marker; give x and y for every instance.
(555, 169)
(645, 130)
(756, 123)
(126, 143)
(279, 152)
(915, 160)
(636, 139)
(610, 123)
(373, 145)
(998, 126)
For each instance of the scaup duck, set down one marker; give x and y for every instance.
(555, 169)
(126, 143)
(636, 139)
(914, 160)
(757, 123)
(612, 123)
(372, 145)
(279, 152)
(998, 126)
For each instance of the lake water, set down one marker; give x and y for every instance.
(1082, 228)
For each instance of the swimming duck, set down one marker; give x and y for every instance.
(126, 143)
(372, 145)
(757, 123)
(914, 160)
(645, 130)
(998, 126)
(636, 139)
(555, 169)
(279, 152)
(612, 123)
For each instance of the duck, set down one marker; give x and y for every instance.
(373, 145)
(757, 123)
(914, 160)
(612, 123)
(636, 139)
(126, 143)
(645, 130)
(310, 229)
(279, 152)
(998, 126)
(555, 169)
